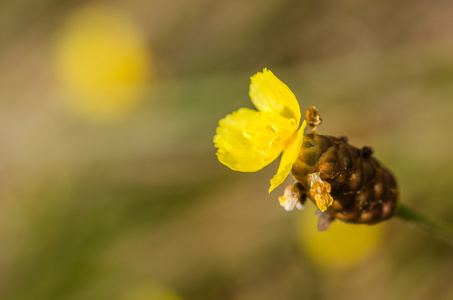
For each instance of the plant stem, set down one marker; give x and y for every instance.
(439, 229)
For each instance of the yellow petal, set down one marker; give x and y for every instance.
(289, 157)
(267, 92)
(246, 142)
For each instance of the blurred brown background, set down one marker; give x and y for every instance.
(109, 184)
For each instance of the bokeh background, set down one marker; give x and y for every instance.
(109, 184)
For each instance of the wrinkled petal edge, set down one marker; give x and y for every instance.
(241, 151)
(289, 157)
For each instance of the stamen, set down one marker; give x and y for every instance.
(320, 191)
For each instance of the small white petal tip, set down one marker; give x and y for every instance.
(290, 199)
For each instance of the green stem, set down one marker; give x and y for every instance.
(434, 227)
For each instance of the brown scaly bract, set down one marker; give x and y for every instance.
(363, 191)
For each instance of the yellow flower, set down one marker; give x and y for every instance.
(343, 246)
(248, 140)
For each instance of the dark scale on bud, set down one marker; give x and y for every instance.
(345, 182)
(363, 191)
(366, 152)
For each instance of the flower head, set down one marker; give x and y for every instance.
(248, 140)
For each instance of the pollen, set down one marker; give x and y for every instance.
(320, 191)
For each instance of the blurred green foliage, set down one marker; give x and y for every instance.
(96, 209)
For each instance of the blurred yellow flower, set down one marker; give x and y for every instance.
(342, 246)
(248, 140)
(151, 292)
(102, 62)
